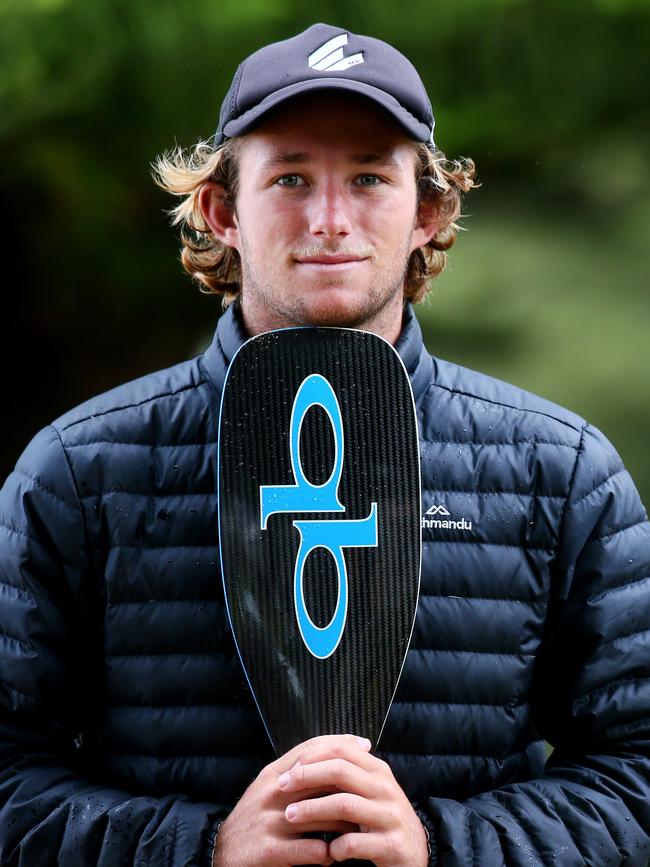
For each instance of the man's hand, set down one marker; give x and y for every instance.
(364, 793)
(257, 832)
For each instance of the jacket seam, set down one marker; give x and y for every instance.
(163, 496)
(620, 472)
(426, 702)
(457, 650)
(612, 683)
(233, 705)
(103, 822)
(497, 757)
(184, 653)
(17, 532)
(116, 442)
(581, 700)
(583, 595)
(479, 493)
(188, 652)
(210, 601)
(546, 794)
(24, 644)
(193, 704)
(78, 506)
(623, 730)
(514, 600)
(20, 472)
(207, 379)
(530, 442)
(578, 792)
(173, 756)
(20, 692)
(171, 846)
(20, 592)
(563, 516)
(162, 547)
(425, 490)
(623, 637)
(470, 839)
(216, 601)
(623, 529)
(507, 405)
(132, 405)
(525, 826)
(546, 548)
(617, 588)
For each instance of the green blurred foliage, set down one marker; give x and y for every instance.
(547, 289)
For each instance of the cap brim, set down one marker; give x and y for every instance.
(414, 128)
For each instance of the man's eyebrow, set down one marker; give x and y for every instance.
(298, 158)
(385, 160)
(282, 159)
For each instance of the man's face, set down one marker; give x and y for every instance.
(325, 218)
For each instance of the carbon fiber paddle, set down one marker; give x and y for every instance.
(319, 522)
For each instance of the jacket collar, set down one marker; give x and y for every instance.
(231, 334)
(417, 361)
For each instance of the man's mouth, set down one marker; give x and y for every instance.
(330, 259)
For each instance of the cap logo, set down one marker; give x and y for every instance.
(329, 57)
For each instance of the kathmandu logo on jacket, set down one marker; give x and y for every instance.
(435, 518)
(329, 57)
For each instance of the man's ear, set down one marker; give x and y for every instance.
(427, 223)
(219, 216)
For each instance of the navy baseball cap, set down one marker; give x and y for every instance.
(326, 58)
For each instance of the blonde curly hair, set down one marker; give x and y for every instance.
(216, 267)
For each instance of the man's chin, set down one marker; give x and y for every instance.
(339, 309)
(335, 317)
(330, 307)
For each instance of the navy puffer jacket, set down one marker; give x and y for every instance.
(126, 727)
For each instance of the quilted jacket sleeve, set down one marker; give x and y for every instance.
(52, 809)
(592, 699)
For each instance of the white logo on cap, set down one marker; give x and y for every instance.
(329, 57)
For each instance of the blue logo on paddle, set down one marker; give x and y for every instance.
(333, 535)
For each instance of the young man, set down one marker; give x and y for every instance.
(126, 733)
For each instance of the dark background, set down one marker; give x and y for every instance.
(547, 289)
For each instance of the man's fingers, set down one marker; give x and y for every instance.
(349, 749)
(330, 774)
(324, 746)
(362, 847)
(295, 851)
(320, 827)
(340, 807)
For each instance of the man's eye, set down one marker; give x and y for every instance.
(368, 180)
(290, 181)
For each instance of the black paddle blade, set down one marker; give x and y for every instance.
(319, 521)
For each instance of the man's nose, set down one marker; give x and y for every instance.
(329, 211)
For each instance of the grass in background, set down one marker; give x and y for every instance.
(545, 303)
